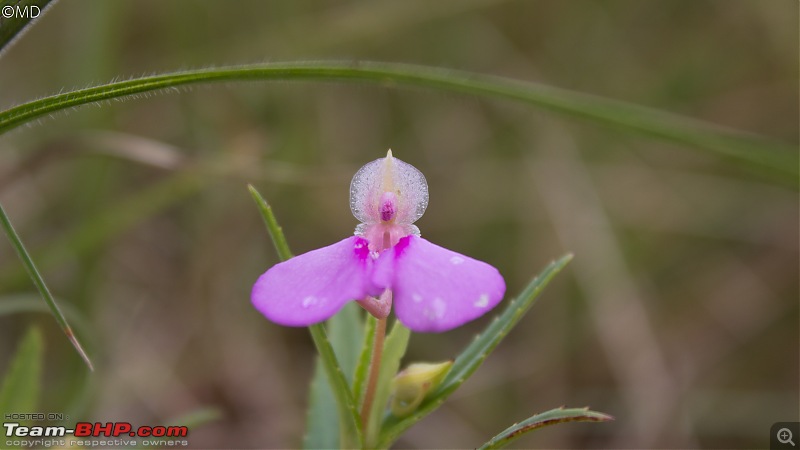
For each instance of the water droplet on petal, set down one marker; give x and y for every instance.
(309, 301)
(483, 301)
(456, 260)
(417, 298)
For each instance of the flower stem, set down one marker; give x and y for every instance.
(374, 371)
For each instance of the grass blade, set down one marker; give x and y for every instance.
(552, 417)
(32, 303)
(20, 390)
(348, 414)
(473, 356)
(11, 27)
(16, 242)
(196, 418)
(275, 230)
(776, 158)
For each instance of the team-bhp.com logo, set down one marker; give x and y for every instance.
(97, 429)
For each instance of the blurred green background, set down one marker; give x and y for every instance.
(679, 314)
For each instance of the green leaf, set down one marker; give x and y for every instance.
(552, 417)
(348, 414)
(31, 302)
(346, 330)
(362, 368)
(350, 426)
(275, 230)
(322, 430)
(10, 27)
(196, 418)
(473, 356)
(393, 350)
(20, 390)
(775, 158)
(16, 242)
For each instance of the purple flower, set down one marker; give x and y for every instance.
(433, 289)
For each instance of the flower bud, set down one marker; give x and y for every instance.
(410, 386)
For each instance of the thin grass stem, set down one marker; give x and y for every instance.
(27, 261)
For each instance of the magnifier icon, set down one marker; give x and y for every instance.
(785, 436)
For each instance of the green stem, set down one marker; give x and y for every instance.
(777, 158)
(374, 371)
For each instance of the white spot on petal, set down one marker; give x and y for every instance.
(416, 297)
(310, 301)
(482, 302)
(436, 310)
(439, 307)
(456, 260)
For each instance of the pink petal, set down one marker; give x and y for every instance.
(312, 287)
(436, 289)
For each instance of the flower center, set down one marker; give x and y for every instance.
(388, 209)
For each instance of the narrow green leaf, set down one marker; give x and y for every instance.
(275, 230)
(20, 390)
(322, 427)
(775, 158)
(473, 356)
(16, 242)
(348, 414)
(351, 434)
(393, 350)
(23, 13)
(196, 418)
(322, 430)
(362, 368)
(552, 417)
(31, 302)
(346, 329)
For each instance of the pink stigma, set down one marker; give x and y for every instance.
(388, 209)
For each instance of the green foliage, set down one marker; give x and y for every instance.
(11, 27)
(362, 368)
(473, 356)
(275, 230)
(393, 351)
(346, 328)
(350, 426)
(322, 427)
(777, 159)
(21, 385)
(196, 418)
(40, 285)
(552, 417)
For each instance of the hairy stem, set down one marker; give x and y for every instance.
(374, 370)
